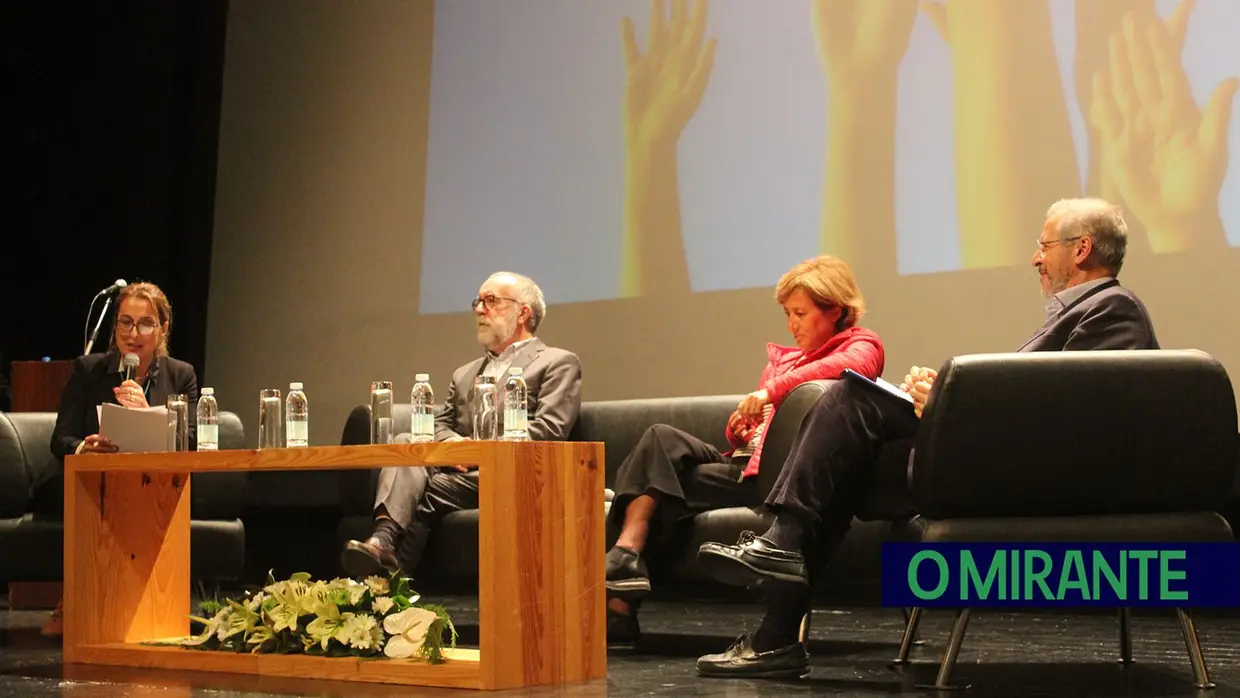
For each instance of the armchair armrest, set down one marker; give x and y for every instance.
(783, 429)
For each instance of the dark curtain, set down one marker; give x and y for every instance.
(111, 117)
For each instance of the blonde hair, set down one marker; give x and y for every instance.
(829, 282)
(155, 296)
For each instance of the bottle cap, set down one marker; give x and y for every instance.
(515, 371)
(422, 377)
(207, 391)
(294, 386)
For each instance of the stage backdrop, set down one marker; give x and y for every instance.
(656, 166)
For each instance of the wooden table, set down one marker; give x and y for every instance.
(541, 601)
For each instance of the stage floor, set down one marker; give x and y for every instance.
(1004, 654)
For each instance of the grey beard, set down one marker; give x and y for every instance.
(498, 332)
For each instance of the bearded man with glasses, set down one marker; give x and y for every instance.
(409, 502)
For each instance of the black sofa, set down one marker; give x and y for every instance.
(32, 531)
(1109, 447)
(451, 558)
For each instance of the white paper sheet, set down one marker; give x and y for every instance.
(135, 430)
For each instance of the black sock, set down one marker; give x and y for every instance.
(786, 534)
(781, 626)
(387, 531)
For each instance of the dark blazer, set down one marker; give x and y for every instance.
(91, 380)
(553, 397)
(1106, 317)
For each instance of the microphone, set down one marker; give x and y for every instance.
(120, 283)
(130, 362)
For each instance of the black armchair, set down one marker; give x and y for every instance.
(1117, 446)
(32, 525)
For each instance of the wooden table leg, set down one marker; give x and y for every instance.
(126, 557)
(541, 595)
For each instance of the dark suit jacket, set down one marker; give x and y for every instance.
(1106, 317)
(553, 397)
(91, 380)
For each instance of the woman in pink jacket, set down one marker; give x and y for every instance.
(671, 474)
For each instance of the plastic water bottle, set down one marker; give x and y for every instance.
(423, 400)
(208, 421)
(516, 419)
(296, 417)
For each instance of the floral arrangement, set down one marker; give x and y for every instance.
(341, 618)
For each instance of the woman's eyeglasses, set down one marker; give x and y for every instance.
(146, 326)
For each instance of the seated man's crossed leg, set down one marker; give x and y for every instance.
(814, 500)
(398, 493)
(410, 502)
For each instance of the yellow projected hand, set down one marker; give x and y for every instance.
(1096, 22)
(1013, 137)
(860, 44)
(663, 90)
(857, 39)
(1166, 157)
(665, 85)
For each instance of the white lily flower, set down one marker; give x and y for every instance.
(282, 617)
(408, 631)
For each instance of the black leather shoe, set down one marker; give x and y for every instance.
(752, 562)
(741, 662)
(371, 557)
(627, 577)
(623, 631)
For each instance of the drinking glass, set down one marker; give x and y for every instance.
(178, 422)
(381, 412)
(485, 409)
(270, 419)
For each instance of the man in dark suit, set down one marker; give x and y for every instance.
(833, 461)
(410, 501)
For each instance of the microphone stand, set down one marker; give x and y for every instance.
(95, 334)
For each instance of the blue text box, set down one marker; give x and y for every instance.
(951, 575)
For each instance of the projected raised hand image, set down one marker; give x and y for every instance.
(1164, 157)
(1014, 153)
(655, 148)
(663, 89)
(860, 45)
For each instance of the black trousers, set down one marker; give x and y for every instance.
(685, 475)
(447, 490)
(831, 466)
(48, 499)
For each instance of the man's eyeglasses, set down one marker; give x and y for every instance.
(489, 302)
(146, 326)
(1043, 246)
